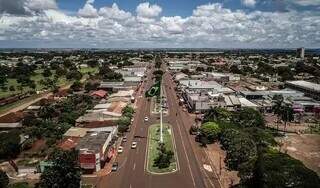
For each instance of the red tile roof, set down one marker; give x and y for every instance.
(13, 117)
(100, 93)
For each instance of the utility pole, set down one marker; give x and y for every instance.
(161, 124)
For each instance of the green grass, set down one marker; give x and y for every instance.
(36, 77)
(153, 141)
(86, 70)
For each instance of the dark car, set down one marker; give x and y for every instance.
(114, 166)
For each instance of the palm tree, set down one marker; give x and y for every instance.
(287, 114)
(277, 107)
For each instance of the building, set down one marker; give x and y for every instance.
(99, 94)
(300, 53)
(11, 120)
(95, 149)
(308, 88)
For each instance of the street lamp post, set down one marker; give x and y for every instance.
(161, 126)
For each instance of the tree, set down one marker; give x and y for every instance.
(158, 72)
(217, 114)
(74, 75)
(241, 150)
(11, 88)
(76, 86)
(89, 86)
(92, 63)
(65, 171)
(285, 73)
(186, 71)
(249, 117)
(163, 158)
(277, 106)
(32, 85)
(281, 170)
(234, 69)
(283, 110)
(287, 114)
(9, 144)
(3, 80)
(47, 72)
(200, 69)
(128, 111)
(20, 88)
(24, 80)
(210, 69)
(123, 124)
(210, 130)
(4, 179)
(61, 71)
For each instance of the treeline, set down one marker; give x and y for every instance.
(251, 150)
(53, 120)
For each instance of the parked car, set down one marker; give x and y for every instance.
(146, 119)
(134, 145)
(124, 139)
(114, 166)
(120, 149)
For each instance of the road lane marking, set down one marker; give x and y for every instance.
(184, 149)
(134, 166)
(123, 163)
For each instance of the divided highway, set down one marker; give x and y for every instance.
(132, 173)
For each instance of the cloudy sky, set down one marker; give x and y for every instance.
(160, 23)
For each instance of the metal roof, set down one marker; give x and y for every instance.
(305, 85)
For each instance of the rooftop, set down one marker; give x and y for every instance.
(100, 93)
(93, 141)
(305, 84)
(13, 117)
(76, 132)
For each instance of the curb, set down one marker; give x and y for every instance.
(175, 154)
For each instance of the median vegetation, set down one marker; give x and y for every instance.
(161, 156)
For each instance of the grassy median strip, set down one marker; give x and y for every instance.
(153, 152)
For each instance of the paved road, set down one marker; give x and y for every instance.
(132, 174)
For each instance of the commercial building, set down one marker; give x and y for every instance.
(94, 150)
(308, 88)
(300, 52)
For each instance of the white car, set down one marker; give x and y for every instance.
(146, 119)
(134, 145)
(120, 149)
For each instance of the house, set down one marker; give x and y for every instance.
(11, 120)
(100, 94)
(98, 115)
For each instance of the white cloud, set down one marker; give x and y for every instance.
(210, 25)
(88, 11)
(306, 2)
(148, 11)
(249, 3)
(38, 5)
(114, 12)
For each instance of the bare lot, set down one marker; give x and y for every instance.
(305, 148)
